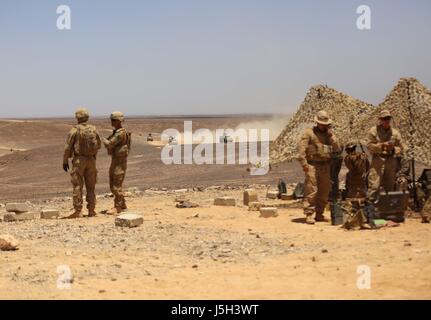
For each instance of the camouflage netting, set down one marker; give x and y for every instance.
(343, 110)
(409, 103)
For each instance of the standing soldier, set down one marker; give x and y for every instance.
(315, 150)
(358, 165)
(118, 146)
(385, 145)
(82, 145)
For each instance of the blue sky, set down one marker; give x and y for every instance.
(204, 57)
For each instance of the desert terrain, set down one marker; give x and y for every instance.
(208, 252)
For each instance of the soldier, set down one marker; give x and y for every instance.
(118, 146)
(385, 145)
(358, 165)
(82, 145)
(315, 150)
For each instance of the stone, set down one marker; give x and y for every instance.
(17, 207)
(180, 191)
(225, 201)
(268, 212)
(129, 220)
(287, 196)
(8, 243)
(272, 194)
(250, 195)
(186, 204)
(254, 206)
(49, 214)
(26, 216)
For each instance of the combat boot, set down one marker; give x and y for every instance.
(92, 213)
(309, 219)
(320, 218)
(75, 215)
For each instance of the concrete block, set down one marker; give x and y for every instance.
(49, 214)
(17, 207)
(272, 194)
(26, 216)
(129, 220)
(250, 195)
(268, 212)
(225, 201)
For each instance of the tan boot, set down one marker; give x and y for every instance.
(309, 219)
(75, 215)
(321, 218)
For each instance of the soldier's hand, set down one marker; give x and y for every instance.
(65, 167)
(306, 168)
(330, 132)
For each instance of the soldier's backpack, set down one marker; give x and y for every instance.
(87, 141)
(354, 215)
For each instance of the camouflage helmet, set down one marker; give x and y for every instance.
(117, 115)
(385, 114)
(82, 114)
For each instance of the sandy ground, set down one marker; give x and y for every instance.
(211, 253)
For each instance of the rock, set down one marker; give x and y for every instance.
(254, 206)
(186, 204)
(17, 207)
(129, 220)
(287, 196)
(250, 195)
(268, 212)
(272, 194)
(49, 214)
(26, 216)
(225, 201)
(180, 191)
(8, 243)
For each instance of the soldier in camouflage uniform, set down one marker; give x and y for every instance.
(82, 145)
(358, 165)
(118, 146)
(385, 145)
(315, 150)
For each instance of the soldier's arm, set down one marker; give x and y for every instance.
(112, 141)
(335, 144)
(68, 148)
(400, 147)
(302, 149)
(372, 143)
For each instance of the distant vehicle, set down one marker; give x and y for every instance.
(225, 138)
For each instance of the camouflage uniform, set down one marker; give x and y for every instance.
(84, 169)
(358, 165)
(315, 149)
(118, 145)
(384, 164)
